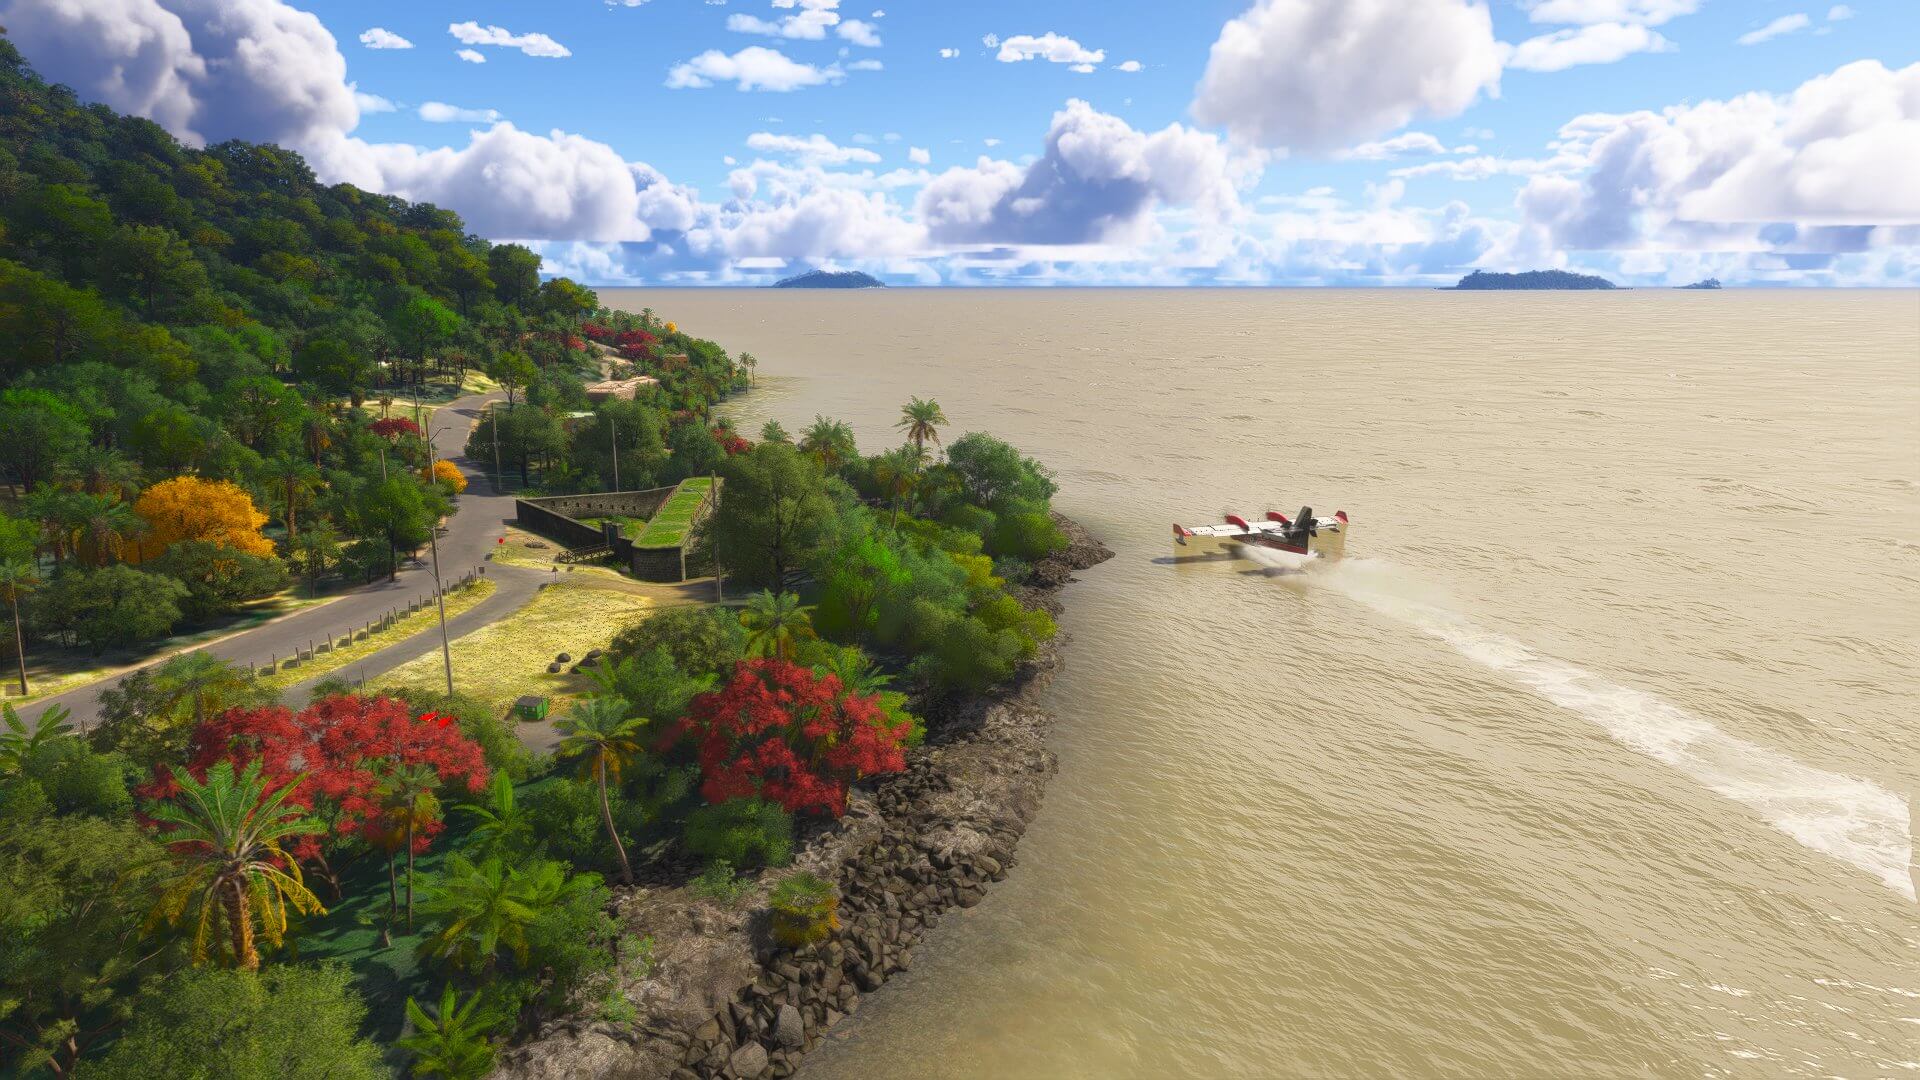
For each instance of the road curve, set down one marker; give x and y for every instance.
(470, 534)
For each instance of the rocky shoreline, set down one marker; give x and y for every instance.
(722, 1001)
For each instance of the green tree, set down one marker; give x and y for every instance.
(652, 685)
(18, 577)
(37, 431)
(114, 605)
(828, 442)
(409, 799)
(771, 431)
(451, 1041)
(516, 274)
(421, 325)
(500, 828)
(512, 370)
(224, 836)
(481, 909)
(775, 624)
(335, 365)
(700, 640)
(395, 513)
(295, 481)
(202, 684)
(290, 1022)
(602, 736)
(19, 746)
(317, 546)
(773, 513)
(692, 451)
(154, 267)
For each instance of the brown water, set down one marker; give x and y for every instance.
(1594, 758)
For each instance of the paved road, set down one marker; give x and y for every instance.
(470, 534)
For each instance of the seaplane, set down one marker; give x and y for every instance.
(1303, 535)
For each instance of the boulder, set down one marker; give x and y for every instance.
(789, 1030)
(748, 1061)
(565, 658)
(553, 669)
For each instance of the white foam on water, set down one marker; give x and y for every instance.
(1855, 821)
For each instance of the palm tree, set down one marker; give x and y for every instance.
(18, 576)
(499, 826)
(771, 431)
(897, 472)
(316, 431)
(487, 907)
(198, 677)
(106, 528)
(99, 471)
(921, 421)
(748, 361)
(856, 672)
(19, 746)
(295, 480)
(600, 735)
(775, 624)
(452, 1042)
(318, 544)
(829, 442)
(407, 796)
(224, 836)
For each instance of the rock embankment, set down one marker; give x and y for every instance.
(722, 1001)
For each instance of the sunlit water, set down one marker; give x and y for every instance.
(1595, 758)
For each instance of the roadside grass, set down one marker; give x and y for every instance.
(668, 527)
(508, 659)
(419, 622)
(55, 671)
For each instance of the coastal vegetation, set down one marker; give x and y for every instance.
(202, 354)
(1532, 280)
(831, 279)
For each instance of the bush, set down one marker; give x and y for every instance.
(718, 883)
(565, 817)
(115, 605)
(701, 640)
(219, 578)
(740, 833)
(74, 779)
(806, 910)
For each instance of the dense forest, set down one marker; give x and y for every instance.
(211, 370)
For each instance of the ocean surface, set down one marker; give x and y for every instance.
(1596, 757)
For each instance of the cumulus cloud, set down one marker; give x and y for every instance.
(205, 70)
(1316, 75)
(471, 56)
(439, 112)
(1590, 12)
(1839, 13)
(381, 38)
(1128, 66)
(472, 33)
(373, 103)
(815, 148)
(1097, 182)
(752, 68)
(919, 155)
(1596, 43)
(949, 53)
(860, 33)
(1049, 46)
(1405, 144)
(1755, 171)
(810, 22)
(1785, 24)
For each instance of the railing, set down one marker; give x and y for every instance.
(349, 636)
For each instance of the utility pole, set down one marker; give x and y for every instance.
(493, 410)
(439, 594)
(613, 432)
(719, 593)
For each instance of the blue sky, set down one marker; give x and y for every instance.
(1384, 142)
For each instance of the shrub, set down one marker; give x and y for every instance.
(565, 817)
(701, 640)
(740, 833)
(718, 883)
(219, 578)
(806, 910)
(115, 605)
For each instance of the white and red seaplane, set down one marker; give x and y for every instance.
(1303, 535)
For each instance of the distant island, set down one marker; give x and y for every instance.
(1710, 283)
(827, 279)
(1533, 279)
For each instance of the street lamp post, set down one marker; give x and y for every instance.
(439, 593)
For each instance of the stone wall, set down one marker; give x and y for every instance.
(558, 516)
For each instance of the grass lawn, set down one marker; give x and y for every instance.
(420, 621)
(668, 528)
(509, 658)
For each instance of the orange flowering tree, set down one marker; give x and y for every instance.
(446, 472)
(189, 508)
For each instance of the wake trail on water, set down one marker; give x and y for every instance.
(1853, 820)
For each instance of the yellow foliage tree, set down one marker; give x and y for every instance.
(189, 508)
(446, 472)
(672, 329)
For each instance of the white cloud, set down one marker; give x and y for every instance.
(752, 68)
(815, 148)
(1590, 12)
(1595, 43)
(860, 33)
(1050, 47)
(1405, 144)
(382, 38)
(991, 143)
(949, 53)
(866, 65)
(439, 112)
(878, 14)
(1839, 13)
(812, 20)
(472, 33)
(471, 56)
(1753, 172)
(1128, 66)
(373, 103)
(991, 41)
(1785, 24)
(206, 70)
(1316, 75)
(919, 155)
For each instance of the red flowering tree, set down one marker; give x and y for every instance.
(635, 345)
(345, 750)
(393, 427)
(781, 732)
(596, 331)
(731, 442)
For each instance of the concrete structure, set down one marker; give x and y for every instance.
(561, 517)
(620, 389)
